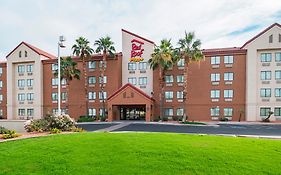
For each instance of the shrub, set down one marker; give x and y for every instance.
(39, 125)
(177, 118)
(3, 130)
(223, 119)
(78, 129)
(86, 119)
(55, 131)
(10, 134)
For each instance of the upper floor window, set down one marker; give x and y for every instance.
(21, 83)
(180, 63)
(278, 57)
(1, 70)
(277, 112)
(228, 59)
(55, 81)
(179, 94)
(92, 112)
(169, 79)
(277, 92)
(54, 67)
(264, 111)
(20, 54)
(142, 65)
(279, 38)
(277, 74)
(92, 95)
(228, 112)
(21, 68)
(29, 82)
(215, 112)
(142, 80)
(1, 97)
(168, 112)
(103, 80)
(91, 64)
(215, 93)
(29, 68)
(265, 92)
(169, 94)
(265, 75)
(63, 81)
(228, 76)
(266, 57)
(92, 80)
(21, 97)
(215, 77)
(25, 53)
(228, 93)
(132, 80)
(215, 60)
(30, 96)
(63, 96)
(54, 96)
(270, 38)
(102, 95)
(132, 66)
(1, 84)
(102, 64)
(180, 78)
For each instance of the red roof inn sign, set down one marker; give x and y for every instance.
(137, 51)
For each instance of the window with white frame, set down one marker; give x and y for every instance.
(54, 67)
(103, 80)
(215, 60)
(91, 64)
(92, 112)
(21, 97)
(1, 112)
(180, 63)
(169, 95)
(92, 80)
(264, 111)
(55, 110)
(179, 112)
(228, 59)
(278, 75)
(55, 81)
(215, 93)
(215, 112)
(91, 95)
(21, 112)
(104, 95)
(132, 80)
(168, 112)
(30, 96)
(278, 57)
(265, 92)
(29, 68)
(1, 97)
(1, 70)
(180, 78)
(142, 65)
(277, 92)
(228, 112)
(1, 84)
(101, 111)
(102, 64)
(63, 81)
(215, 77)
(21, 83)
(132, 66)
(277, 111)
(21, 68)
(142, 80)
(169, 79)
(228, 93)
(30, 112)
(179, 94)
(29, 82)
(266, 57)
(228, 76)
(54, 96)
(63, 96)
(265, 75)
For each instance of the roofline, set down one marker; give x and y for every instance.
(262, 32)
(123, 30)
(235, 50)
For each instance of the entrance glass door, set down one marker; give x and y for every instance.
(132, 113)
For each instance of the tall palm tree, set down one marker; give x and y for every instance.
(69, 71)
(189, 50)
(162, 58)
(83, 50)
(104, 46)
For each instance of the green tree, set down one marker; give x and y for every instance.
(162, 58)
(105, 47)
(189, 50)
(83, 50)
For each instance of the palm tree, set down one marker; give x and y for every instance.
(189, 50)
(69, 71)
(162, 58)
(104, 46)
(82, 49)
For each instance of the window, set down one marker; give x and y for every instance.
(91, 64)
(215, 77)
(228, 112)
(54, 67)
(104, 95)
(215, 112)
(228, 59)
(20, 54)
(25, 53)
(277, 92)
(1, 97)
(265, 75)
(1, 84)
(142, 66)
(55, 110)
(92, 112)
(278, 57)
(102, 80)
(169, 94)
(91, 95)
(132, 66)
(29, 68)
(277, 112)
(63, 96)
(228, 76)
(30, 96)
(1, 112)
(30, 112)
(21, 83)
(278, 75)
(265, 57)
(20, 68)
(215, 93)
(54, 96)
(270, 38)
(169, 79)
(21, 97)
(92, 80)
(279, 38)
(179, 112)
(55, 81)
(21, 112)
(101, 111)
(215, 60)
(228, 93)
(265, 92)
(1, 70)
(179, 94)
(102, 64)
(168, 112)
(264, 111)
(63, 81)
(180, 63)
(142, 80)
(29, 82)
(132, 80)
(180, 78)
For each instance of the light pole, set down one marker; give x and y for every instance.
(60, 45)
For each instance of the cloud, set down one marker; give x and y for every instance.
(218, 23)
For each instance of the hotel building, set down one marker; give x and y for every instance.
(238, 83)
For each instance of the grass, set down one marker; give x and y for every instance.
(194, 123)
(140, 153)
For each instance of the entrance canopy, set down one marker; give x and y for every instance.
(129, 95)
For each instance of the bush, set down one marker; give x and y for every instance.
(223, 119)
(3, 130)
(55, 131)
(10, 134)
(78, 130)
(177, 118)
(39, 125)
(86, 119)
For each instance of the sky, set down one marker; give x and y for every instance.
(217, 23)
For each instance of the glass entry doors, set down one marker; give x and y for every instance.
(132, 112)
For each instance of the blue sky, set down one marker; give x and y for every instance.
(218, 23)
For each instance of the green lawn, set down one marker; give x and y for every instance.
(140, 153)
